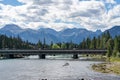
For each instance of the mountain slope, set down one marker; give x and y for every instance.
(75, 35)
(114, 31)
(11, 28)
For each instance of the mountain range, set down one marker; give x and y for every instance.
(75, 35)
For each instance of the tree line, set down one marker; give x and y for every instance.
(14, 43)
(104, 41)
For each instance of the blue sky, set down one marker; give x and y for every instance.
(118, 1)
(11, 2)
(61, 14)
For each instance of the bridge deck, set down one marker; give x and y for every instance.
(37, 52)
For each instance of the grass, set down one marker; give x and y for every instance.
(112, 59)
(112, 65)
(115, 68)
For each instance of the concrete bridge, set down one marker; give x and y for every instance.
(43, 53)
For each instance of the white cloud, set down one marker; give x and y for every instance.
(111, 1)
(90, 14)
(25, 1)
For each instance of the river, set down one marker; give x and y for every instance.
(50, 69)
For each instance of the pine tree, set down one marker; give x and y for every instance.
(116, 47)
(71, 45)
(51, 45)
(98, 42)
(44, 43)
(83, 44)
(63, 46)
(93, 43)
(109, 48)
(88, 43)
(39, 44)
(101, 43)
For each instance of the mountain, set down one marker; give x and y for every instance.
(114, 31)
(75, 35)
(11, 30)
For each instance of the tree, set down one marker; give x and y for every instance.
(63, 46)
(109, 48)
(39, 44)
(107, 35)
(88, 41)
(116, 52)
(3, 43)
(51, 45)
(83, 45)
(55, 46)
(101, 43)
(116, 47)
(93, 43)
(98, 43)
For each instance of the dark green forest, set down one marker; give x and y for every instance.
(14, 43)
(104, 41)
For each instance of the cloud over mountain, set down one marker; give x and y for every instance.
(60, 14)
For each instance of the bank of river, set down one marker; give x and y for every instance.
(51, 69)
(108, 67)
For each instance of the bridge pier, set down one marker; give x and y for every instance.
(10, 56)
(75, 56)
(42, 56)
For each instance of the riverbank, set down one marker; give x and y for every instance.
(107, 67)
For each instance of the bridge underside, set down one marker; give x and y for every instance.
(42, 56)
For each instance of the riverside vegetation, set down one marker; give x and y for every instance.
(112, 44)
(104, 41)
(112, 64)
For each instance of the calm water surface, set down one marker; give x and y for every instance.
(50, 69)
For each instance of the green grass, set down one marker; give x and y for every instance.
(113, 59)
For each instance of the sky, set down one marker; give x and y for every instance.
(61, 14)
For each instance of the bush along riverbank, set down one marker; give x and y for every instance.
(113, 66)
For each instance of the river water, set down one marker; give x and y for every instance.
(50, 69)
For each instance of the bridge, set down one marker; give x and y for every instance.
(43, 53)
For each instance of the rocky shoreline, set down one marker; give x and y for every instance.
(108, 67)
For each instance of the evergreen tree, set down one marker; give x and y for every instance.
(83, 45)
(93, 43)
(116, 47)
(71, 45)
(98, 42)
(44, 43)
(63, 46)
(101, 43)
(51, 45)
(39, 44)
(109, 48)
(88, 42)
